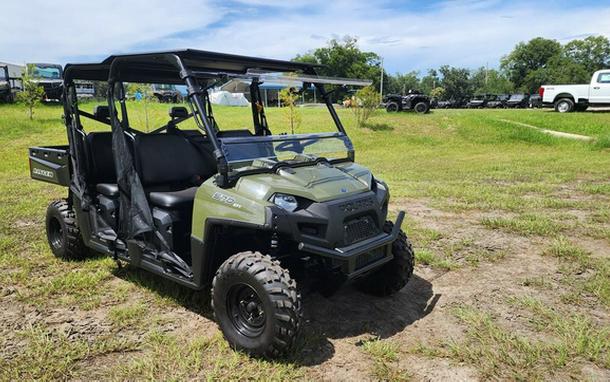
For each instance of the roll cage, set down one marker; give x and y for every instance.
(199, 71)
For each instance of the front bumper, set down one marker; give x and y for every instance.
(361, 257)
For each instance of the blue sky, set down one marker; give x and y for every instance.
(410, 35)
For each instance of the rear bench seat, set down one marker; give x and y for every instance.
(169, 166)
(101, 163)
(170, 169)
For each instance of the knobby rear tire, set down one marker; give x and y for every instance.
(63, 234)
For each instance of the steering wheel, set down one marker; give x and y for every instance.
(295, 146)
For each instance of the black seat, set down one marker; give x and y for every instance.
(178, 112)
(169, 167)
(234, 133)
(102, 172)
(108, 189)
(173, 199)
(101, 112)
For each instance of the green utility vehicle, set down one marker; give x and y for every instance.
(243, 212)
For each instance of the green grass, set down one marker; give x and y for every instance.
(498, 352)
(427, 257)
(526, 224)
(384, 354)
(584, 274)
(460, 161)
(127, 315)
(197, 358)
(591, 124)
(48, 356)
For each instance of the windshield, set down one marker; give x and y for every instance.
(263, 153)
(46, 72)
(517, 96)
(2, 74)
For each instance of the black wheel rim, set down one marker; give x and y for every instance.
(56, 234)
(246, 310)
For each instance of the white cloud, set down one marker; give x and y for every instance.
(50, 30)
(462, 33)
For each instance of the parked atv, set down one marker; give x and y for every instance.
(415, 100)
(249, 214)
(444, 104)
(498, 101)
(535, 101)
(518, 101)
(166, 93)
(6, 92)
(479, 101)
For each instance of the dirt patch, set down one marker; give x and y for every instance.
(421, 313)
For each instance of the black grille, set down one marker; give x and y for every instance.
(360, 229)
(369, 258)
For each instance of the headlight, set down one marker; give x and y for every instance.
(287, 202)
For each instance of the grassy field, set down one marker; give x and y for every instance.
(512, 235)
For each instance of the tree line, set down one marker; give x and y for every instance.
(529, 65)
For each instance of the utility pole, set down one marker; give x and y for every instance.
(381, 81)
(486, 71)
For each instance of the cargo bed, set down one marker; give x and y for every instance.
(50, 164)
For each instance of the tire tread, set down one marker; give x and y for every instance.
(281, 289)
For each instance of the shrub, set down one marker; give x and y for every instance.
(289, 97)
(32, 93)
(363, 104)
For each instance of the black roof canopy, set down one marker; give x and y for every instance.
(159, 67)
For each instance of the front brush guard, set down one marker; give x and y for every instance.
(351, 254)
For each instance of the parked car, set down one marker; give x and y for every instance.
(479, 101)
(415, 100)
(6, 93)
(10, 82)
(567, 98)
(447, 104)
(50, 77)
(535, 101)
(498, 101)
(518, 101)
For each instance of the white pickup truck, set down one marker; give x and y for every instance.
(567, 98)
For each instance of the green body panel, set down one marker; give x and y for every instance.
(246, 201)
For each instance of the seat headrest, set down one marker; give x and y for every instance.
(178, 112)
(101, 112)
(234, 133)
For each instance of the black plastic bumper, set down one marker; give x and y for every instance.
(353, 254)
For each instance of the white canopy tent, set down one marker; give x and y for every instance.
(222, 97)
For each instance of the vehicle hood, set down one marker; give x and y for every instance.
(318, 183)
